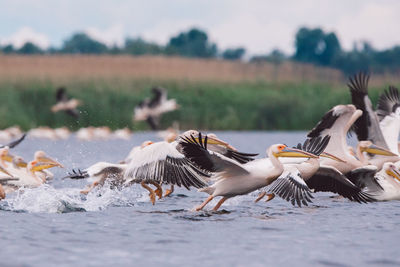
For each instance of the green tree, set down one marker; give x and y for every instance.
(139, 46)
(193, 43)
(234, 53)
(314, 46)
(8, 49)
(276, 56)
(29, 48)
(80, 43)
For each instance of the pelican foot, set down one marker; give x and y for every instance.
(152, 196)
(270, 197)
(260, 196)
(158, 192)
(168, 192)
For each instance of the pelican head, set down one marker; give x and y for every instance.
(368, 146)
(391, 170)
(5, 155)
(41, 157)
(280, 150)
(18, 162)
(146, 143)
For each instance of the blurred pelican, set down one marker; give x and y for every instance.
(66, 104)
(150, 110)
(124, 133)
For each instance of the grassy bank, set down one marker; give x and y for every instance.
(204, 105)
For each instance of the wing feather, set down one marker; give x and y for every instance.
(291, 187)
(162, 163)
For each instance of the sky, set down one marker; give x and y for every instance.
(259, 26)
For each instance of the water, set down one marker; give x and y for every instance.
(54, 225)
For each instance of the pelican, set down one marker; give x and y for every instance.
(388, 111)
(65, 104)
(124, 133)
(290, 185)
(100, 172)
(367, 127)
(150, 110)
(233, 178)
(331, 176)
(381, 185)
(27, 177)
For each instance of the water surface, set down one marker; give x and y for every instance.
(54, 225)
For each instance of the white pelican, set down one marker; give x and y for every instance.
(124, 133)
(380, 185)
(65, 104)
(27, 177)
(233, 178)
(100, 172)
(290, 184)
(388, 111)
(150, 110)
(367, 127)
(330, 176)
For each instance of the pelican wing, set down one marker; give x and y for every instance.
(15, 142)
(364, 177)
(5, 180)
(329, 179)
(232, 154)
(72, 112)
(367, 126)
(326, 122)
(159, 95)
(314, 145)
(291, 187)
(197, 152)
(162, 163)
(388, 103)
(61, 95)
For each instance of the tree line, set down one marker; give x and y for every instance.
(311, 46)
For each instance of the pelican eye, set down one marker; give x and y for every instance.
(281, 147)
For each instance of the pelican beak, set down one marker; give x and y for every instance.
(44, 165)
(394, 173)
(7, 157)
(22, 164)
(330, 156)
(5, 171)
(373, 149)
(294, 153)
(216, 141)
(50, 161)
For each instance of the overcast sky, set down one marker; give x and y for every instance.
(259, 26)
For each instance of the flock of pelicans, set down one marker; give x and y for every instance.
(324, 162)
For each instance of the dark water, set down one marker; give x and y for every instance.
(54, 226)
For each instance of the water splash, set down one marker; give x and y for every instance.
(47, 199)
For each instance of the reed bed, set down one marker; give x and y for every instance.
(212, 94)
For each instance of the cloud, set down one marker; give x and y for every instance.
(24, 35)
(111, 36)
(375, 22)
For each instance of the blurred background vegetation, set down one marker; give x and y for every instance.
(312, 45)
(216, 89)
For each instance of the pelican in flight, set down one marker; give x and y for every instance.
(291, 185)
(331, 176)
(101, 172)
(233, 178)
(388, 111)
(381, 185)
(66, 104)
(367, 127)
(150, 110)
